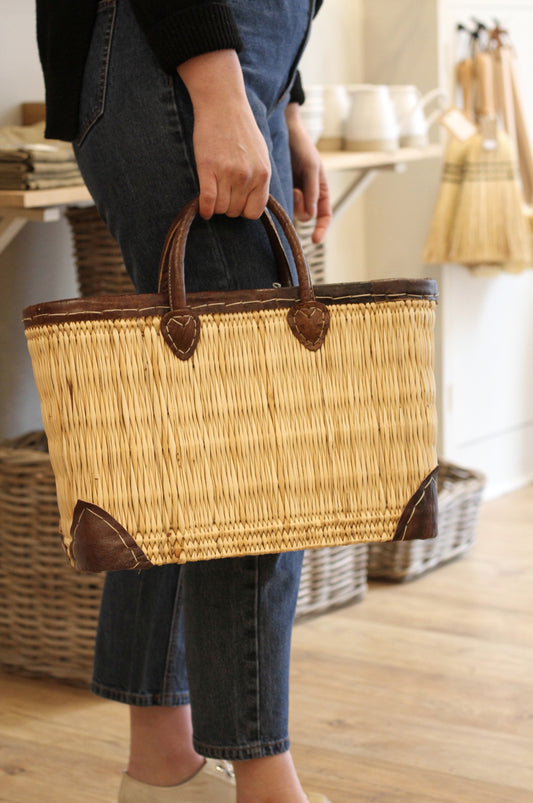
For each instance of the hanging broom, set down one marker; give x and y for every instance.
(437, 247)
(490, 227)
(512, 104)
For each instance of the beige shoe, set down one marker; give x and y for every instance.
(315, 797)
(213, 783)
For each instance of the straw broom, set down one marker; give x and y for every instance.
(512, 105)
(437, 246)
(490, 227)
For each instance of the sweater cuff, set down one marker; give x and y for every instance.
(297, 92)
(189, 33)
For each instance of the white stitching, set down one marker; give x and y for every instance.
(301, 336)
(258, 302)
(426, 486)
(190, 349)
(94, 513)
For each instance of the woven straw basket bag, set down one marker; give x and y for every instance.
(214, 425)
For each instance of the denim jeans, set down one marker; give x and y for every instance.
(215, 633)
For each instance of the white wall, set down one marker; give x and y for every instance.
(484, 332)
(37, 265)
(334, 55)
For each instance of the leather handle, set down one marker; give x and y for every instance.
(308, 319)
(273, 237)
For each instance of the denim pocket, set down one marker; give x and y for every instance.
(93, 93)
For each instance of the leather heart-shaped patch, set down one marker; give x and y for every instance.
(309, 322)
(181, 330)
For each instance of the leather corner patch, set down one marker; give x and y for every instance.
(309, 322)
(100, 543)
(181, 330)
(419, 519)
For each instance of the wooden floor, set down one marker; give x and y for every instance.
(422, 692)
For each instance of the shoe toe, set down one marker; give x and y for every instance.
(215, 781)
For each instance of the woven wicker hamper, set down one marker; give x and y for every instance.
(459, 494)
(99, 266)
(48, 612)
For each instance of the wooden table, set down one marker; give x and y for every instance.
(17, 207)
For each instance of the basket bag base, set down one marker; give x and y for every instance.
(99, 543)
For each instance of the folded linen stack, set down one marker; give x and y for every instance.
(29, 162)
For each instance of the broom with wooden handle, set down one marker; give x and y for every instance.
(437, 246)
(489, 227)
(522, 133)
(512, 105)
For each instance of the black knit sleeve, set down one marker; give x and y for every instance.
(177, 30)
(297, 92)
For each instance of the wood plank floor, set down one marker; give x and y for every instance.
(420, 693)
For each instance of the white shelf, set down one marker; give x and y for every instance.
(367, 166)
(367, 160)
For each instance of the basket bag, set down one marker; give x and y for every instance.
(213, 425)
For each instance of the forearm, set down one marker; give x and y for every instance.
(231, 154)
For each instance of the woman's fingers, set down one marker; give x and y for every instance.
(311, 191)
(233, 167)
(222, 194)
(323, 212)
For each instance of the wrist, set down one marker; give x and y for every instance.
(213, 76)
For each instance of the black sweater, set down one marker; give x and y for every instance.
(176, 30)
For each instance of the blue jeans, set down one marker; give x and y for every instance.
(215, 633)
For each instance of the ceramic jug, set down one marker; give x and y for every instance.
(371, 123)
(409, 107)
(312, 111)
(336, 108)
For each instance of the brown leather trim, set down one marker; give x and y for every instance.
(134, 306)
(419, 520)
(181, 331)
(100, 543)
(309, 322)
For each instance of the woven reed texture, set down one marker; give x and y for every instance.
(315, 253)
(99, 266)
(460, 492)
(332, 577)
(277, 448)
(48, 612)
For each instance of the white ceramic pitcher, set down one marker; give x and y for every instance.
(409, 107)
(371, 123)
(336, 108)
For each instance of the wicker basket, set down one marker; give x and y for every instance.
(99, 264)
(332, 577)
(48, 612)
(315, 253)
(460, 492)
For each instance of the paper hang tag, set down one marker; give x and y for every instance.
(458, 124)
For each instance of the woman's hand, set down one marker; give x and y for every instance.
(232, 158)
(311, 190)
